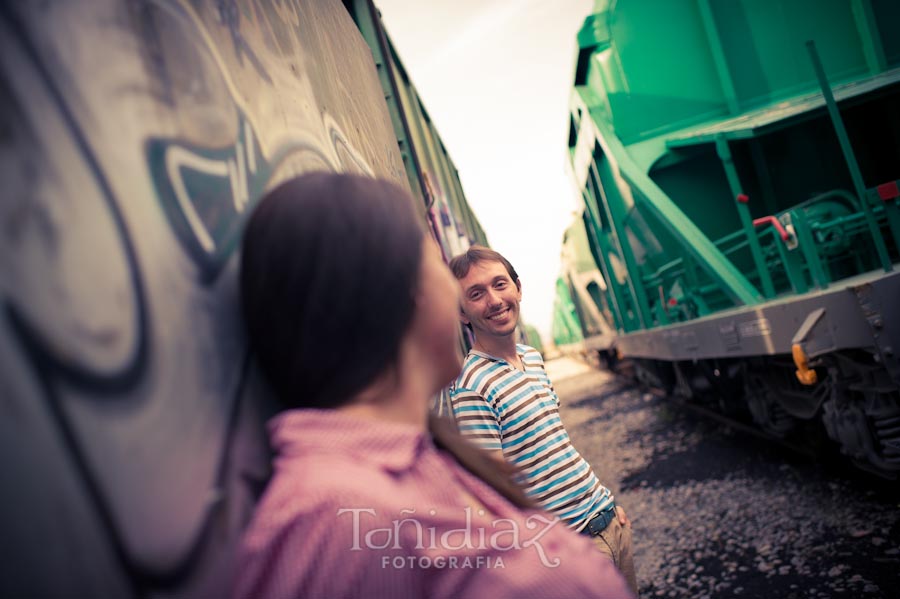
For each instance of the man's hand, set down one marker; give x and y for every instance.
(623, 519)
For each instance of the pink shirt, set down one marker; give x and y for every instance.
(365, 508)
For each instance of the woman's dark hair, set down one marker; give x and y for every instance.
(328, 274)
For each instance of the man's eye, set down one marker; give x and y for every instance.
(474, 296)
(500, 284)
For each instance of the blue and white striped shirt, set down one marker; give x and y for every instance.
(501, 408)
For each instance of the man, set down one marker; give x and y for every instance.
(504, 402)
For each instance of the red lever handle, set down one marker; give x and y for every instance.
(775, 223)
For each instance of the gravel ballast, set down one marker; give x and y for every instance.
(719, 513)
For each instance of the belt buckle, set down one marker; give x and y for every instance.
(601, 520)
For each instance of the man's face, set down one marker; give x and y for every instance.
(490, 299)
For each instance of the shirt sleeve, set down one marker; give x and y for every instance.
(475, 418)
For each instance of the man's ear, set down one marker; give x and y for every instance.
(519, 287)
(463, 318)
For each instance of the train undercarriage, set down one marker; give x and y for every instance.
(854, 406)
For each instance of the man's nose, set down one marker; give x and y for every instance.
(493, 298)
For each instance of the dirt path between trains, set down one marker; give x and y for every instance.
(719, 513)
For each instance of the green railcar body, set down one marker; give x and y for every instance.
(581, 316)
(567, 325)
(739, 162)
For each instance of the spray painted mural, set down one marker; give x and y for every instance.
(134, 138)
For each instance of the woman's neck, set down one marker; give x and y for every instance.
(399, 394)
(390, 411)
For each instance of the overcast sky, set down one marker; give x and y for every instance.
(495, 77)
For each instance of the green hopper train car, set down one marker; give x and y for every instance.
(581, 316)
(739, 162)
(566, 326)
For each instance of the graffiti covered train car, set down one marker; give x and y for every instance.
(739, 163)
(137, 135)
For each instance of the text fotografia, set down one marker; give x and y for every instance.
(452, 562)
(499, 535)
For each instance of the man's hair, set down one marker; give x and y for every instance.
(461, 264)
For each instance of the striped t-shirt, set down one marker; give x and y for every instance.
(501, 408)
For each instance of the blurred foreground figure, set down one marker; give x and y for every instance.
(353, 318)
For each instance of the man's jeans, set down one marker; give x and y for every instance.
(615, 541)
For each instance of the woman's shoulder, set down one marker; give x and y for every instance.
(310, 531)
(320, 502)
(322, 480)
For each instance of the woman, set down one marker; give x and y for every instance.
(353, 317)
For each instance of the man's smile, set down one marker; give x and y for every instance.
(501, 315)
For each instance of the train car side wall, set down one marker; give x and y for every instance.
(137, 136)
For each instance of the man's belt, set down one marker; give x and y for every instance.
(600, 521)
